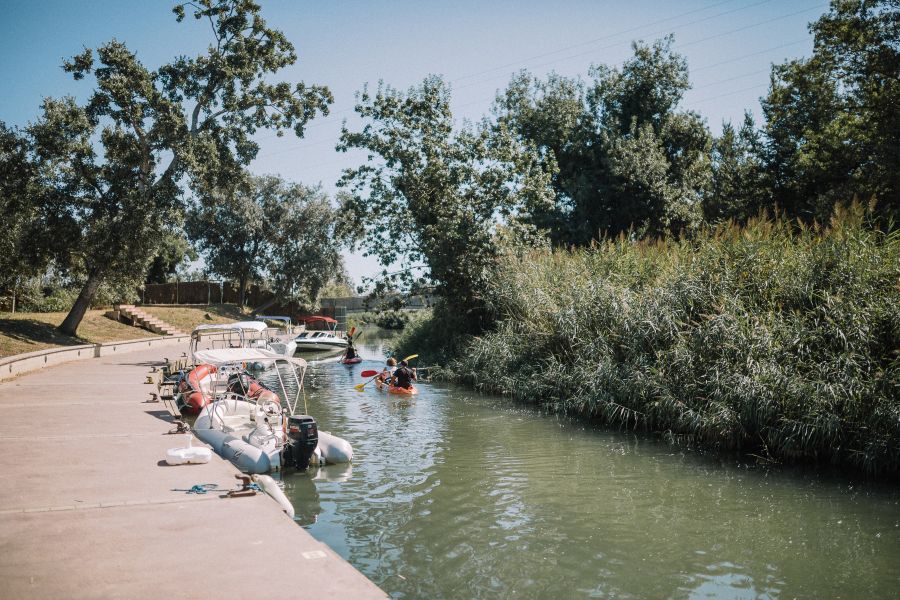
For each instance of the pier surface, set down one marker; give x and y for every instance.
(87, 507)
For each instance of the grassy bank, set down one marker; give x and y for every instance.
(186, 318)
(767, 340)
(29, 332)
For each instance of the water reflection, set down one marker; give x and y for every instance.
(457, 495)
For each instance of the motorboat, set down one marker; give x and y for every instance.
(321, 339)
(281, 339)
(241, 334)
(253, 423)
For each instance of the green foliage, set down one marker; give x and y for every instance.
(174, 252)
(266, 227)
(20, 258)
(387, 319)
(738, 189)
(765, 339)
(832, 120)
(106, 204)
(620, 154)
(428, 197)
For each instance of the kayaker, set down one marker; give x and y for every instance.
(387, 371)
(403, 376)
(351, 351)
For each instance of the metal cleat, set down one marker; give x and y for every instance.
(248, 487)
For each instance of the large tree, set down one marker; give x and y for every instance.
(627, 157)
(17, 211)
(267, 228)
(429, 198)
(114, 167)
(832, 120)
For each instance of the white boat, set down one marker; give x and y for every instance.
(251, 427)
(281, 339)
(241, 334)
(318, 340)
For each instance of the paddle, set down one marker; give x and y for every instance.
(369, 373)
(359, 386)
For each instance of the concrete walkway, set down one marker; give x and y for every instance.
(87, 508)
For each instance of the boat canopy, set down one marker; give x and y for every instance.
(257, 326)
(273, 318)
(315, 318)
(234, 355)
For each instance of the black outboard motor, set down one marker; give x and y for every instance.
(303, 437)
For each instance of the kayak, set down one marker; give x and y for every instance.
(410, 391)
(351, 361)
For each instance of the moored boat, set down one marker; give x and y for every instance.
(325, 339)
(245, 421)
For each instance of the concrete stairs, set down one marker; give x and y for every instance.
(139, 318)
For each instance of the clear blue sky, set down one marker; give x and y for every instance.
(475, 45)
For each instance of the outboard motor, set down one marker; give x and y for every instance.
(303, 437)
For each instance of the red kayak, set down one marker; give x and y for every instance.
(351, 361)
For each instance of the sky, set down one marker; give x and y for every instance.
(475, 45)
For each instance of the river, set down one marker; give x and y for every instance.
(457, 495)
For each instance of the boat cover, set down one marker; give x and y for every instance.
(232, 355)
(258, 326)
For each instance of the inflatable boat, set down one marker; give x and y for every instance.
(247, 423)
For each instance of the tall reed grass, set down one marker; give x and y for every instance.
(771, 338)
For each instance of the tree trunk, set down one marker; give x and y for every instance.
(242, 283)
(82, 303)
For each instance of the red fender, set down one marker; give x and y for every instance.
(191, 389)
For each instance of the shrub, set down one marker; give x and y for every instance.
(772, 338)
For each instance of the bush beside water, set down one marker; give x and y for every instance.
(772, 339)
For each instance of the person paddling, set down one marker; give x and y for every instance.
(350, 352)
(386, 373)
(403, 376)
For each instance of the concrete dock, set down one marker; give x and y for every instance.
(87, 507)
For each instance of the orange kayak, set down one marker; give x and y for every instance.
(410, 391)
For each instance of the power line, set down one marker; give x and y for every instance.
(580, 44)
(620, 42)
(595, 40)
(744, 28)
(743, 56)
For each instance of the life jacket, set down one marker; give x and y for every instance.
(403, 377)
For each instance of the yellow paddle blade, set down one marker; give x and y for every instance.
(359, 386)
(411, 356)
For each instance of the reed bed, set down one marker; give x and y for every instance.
(771, 339)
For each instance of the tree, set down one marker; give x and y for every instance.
(174, 250)
(305, 249)
(188, 121)
(832, 120)
(738, 189)
(18, 210)
(627, 159)
(552, 115)
(265, 227)
(429, 198)
(232, 227)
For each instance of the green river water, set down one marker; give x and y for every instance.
(456, 495)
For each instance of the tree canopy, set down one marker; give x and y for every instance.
(431, 197)
(264, 228)
(112, 170)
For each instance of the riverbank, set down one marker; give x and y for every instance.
(770, 340)
(88, 507)
(24, 332)
(30, 332)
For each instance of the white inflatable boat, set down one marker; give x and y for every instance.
(248, 423)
